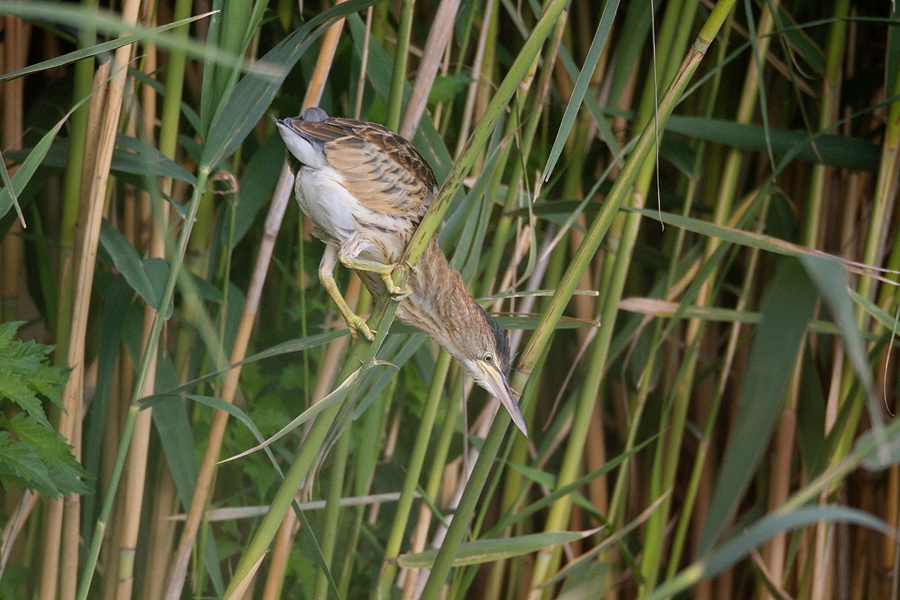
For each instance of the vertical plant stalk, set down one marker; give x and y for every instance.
(433, 487)
(255, 551)
(884, 201)
(13, 55)
(64, 516)
(332, 510)
(673, 36)
(288, 528)
(488, 25)
(138, 454)
(695, 328)
(82, 86)
(398, 78)
(15, 49)
(208, 466)
(438, 38)
(206, 475)
(411, 481)
(143, 372)
(671, 41)
(78, 149)
(541, 337)
(819, 191)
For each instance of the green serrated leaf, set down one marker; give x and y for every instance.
(25, 376)
(19, 464)
(51, 456)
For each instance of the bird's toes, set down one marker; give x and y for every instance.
(399, 293)
(358, 325)
(412, 268)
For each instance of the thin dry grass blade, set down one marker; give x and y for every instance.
(438, 37)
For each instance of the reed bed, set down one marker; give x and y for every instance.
(685, 214)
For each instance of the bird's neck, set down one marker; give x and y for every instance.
(439, 305)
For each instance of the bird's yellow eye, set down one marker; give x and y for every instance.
(488, 358)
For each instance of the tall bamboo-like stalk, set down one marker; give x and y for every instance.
(15, 46)
(63, 527)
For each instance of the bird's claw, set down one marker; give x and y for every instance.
(395, 291)
(412, 268)
(357, 325)
(399, 293)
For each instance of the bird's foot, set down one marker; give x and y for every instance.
(396, 292)
(357, 325)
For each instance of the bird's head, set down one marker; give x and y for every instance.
(486, 357)
(302, 149)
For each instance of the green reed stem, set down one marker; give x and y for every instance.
(413, 473)
(81, 88)
(333, 509)
(149, 350)
(398, 76)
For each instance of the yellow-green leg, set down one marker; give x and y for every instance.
(383, 271)
(355, 323)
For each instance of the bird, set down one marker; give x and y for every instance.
(364, 188)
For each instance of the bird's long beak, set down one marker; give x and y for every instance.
(495, 382)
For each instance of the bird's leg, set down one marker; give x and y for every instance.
(355, 323)
(383, 271)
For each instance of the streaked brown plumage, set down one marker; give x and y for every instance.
(365, 189)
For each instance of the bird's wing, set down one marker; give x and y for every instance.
(381, 169)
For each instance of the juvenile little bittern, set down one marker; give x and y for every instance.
(365, 189)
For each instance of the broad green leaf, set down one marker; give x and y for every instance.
(747, 238)
(521, 514)
(830, 279)
(614, 538)
(20, 464)
(484, 551)
(803, 47)
(787, 308)
(174, 428)
(212, 402)
(129, 264)
(256, 185)
(8, 185)
(151, 163)
(336, 395)
(446, 87)
(889, 322)
(117, 302)
(837, 150)
(297, 345)
(144, 159)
